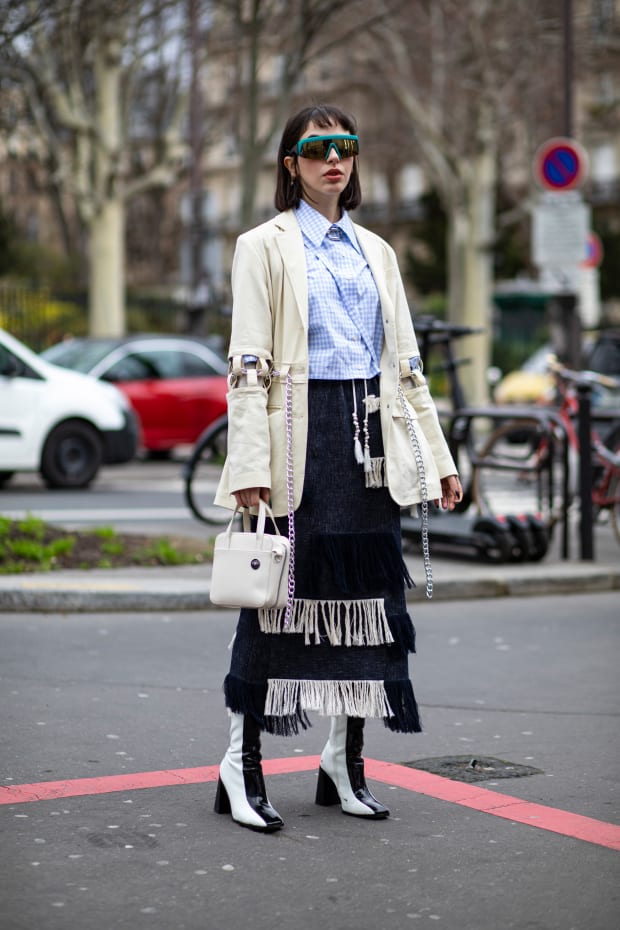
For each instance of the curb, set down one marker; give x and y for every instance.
(70, 602)
(604, 580)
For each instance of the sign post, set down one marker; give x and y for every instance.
(560, 227)
(561, 240)
(561, 220)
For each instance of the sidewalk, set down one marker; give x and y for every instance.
(187, 587)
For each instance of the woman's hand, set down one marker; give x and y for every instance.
(451, 492)
(249, 497)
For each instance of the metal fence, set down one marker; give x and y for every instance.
(39, 318)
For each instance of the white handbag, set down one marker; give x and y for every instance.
(250, 569)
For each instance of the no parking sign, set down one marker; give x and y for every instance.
(594, 251)
(560, 164)
(560, 218)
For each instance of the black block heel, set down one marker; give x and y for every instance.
(222, 801)
(326, 791)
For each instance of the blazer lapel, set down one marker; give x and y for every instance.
(373, 254)
(291, 245)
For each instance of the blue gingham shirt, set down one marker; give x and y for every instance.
(345, 331)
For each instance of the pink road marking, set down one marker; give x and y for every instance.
(500, 805)
(78, 787)
(435, 786)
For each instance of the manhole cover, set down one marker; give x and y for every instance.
(473, 768)
(125, 839)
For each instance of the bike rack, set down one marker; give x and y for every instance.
(461, 424)
(433, 333)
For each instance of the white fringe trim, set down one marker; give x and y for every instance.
(375, 476)
(345, 623)
(329, 698)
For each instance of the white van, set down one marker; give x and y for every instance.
(60, 423)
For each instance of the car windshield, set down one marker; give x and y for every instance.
(78, 354)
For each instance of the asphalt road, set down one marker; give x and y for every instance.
(530, 682)
(140, 497)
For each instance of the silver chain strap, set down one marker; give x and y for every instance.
(290, 497)
(417, 452)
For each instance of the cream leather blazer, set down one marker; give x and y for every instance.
(270, 320)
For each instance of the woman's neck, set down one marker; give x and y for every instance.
(328, 208)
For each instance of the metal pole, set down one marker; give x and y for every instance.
(584, 394)
(568, 67)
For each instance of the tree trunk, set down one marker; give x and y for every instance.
(107, 277)
(107, 224)
(470, 243)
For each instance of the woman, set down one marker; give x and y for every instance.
(330, 419)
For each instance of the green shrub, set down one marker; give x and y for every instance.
(105, 532)
(32, 526)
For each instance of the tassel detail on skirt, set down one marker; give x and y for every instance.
(281, 708)
(374, 476)
(403, 631)
(357, 446)
(344, 623)
(329, 698)
(405, 716)
(244, 697)
(248, 698)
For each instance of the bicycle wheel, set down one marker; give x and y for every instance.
(460, 448)
(612, 441)
(614, 510)
(512, 473)
(202, 473)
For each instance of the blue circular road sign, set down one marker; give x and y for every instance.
(560, 164)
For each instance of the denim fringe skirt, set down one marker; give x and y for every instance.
(345, 649)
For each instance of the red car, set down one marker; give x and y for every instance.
(176, 384)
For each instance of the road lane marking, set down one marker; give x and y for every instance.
(45, 584)
(107, 514)
(516, 810)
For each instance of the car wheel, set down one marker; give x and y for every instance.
(5, 477)
(72, 455)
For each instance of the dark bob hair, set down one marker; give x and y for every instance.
(289, 194)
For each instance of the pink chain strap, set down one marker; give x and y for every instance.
(290, 496)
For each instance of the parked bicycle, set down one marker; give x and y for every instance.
(202, 470)
(437, 341)
(513, 535)
(514, 467)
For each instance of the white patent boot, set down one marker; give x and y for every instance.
(341, 773)
(241, 786)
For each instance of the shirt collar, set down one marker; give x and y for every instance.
(314, 225)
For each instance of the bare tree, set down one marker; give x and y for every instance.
(463, 74)
(481, 84)
(270, 47)
(89, 73)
